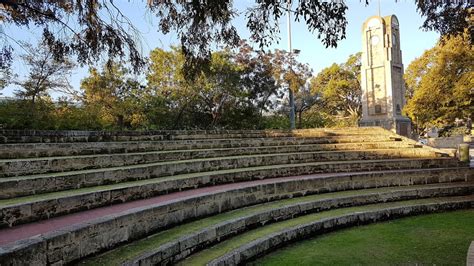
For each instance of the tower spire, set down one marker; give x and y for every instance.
(379, 8)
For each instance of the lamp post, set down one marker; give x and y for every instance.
(291, 94)
(291, 52)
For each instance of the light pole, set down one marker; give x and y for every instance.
(291, 94)
(291, 52)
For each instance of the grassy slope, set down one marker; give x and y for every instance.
(436, 239)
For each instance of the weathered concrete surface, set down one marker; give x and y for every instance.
(271, 242)
(446, 142)
(470, 255)
(139, 211)
(283, 165)
(18, 167)
(20, 213)
(61, 246)
(29, 150)
(108, 231)
(169, 254)
(38, 136)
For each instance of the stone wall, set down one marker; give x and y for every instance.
(109, 231)
(47, 136)
(176, 250)
(271, 242)
(47, 208)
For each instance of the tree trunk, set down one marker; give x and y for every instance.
(300, 114)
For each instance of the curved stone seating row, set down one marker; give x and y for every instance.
(83, 198)
(336, 161)
(32, 150)
(138, 221)
(15, 167)
(177, 243)
(357, 216)
(45, 136)
(43, 206)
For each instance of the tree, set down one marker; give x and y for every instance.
(114, 96)
(5, 76)
(82, 28)
(449, 18)
(440, 83)
(304, 100)
(45, 73)
(238, 88)
(166, 81)
(339, 87)
(258, 78)
(6, 61)
(293, 75)
(90, 28)
(219, 96)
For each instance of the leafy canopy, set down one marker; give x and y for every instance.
(339, 87)
(440, 83)
(91, 28)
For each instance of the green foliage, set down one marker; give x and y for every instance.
(340, 91)
(100, 27)
(20, 114)
(67, 116)
(232, 93)
(5, 73)
(440, 84)
(114, 97)
(45, 73)
(276, 121)
(241, 89)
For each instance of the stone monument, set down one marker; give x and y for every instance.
(383, 88)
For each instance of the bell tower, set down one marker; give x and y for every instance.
(383, 87)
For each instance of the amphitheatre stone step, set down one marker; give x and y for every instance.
(17, 167)
(169, 246)
(172, 176)
(28, 209)
(257, 242)
(70, 244)
(38, 136)
(86, 192)
(32, 150)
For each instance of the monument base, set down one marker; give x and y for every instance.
(400, 125)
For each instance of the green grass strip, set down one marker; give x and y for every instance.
(205, 256)
(136, 248)
(432, 239)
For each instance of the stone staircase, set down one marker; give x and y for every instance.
(207, 197)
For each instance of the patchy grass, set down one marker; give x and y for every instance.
(220, 249)
(435, 239)
(136, 248)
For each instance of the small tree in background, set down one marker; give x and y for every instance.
(45, 73)
(340, 90)
(114, 97)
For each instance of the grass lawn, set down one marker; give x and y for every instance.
(435, 239)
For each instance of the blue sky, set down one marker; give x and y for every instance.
(414, 41)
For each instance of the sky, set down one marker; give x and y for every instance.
(414, 41)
